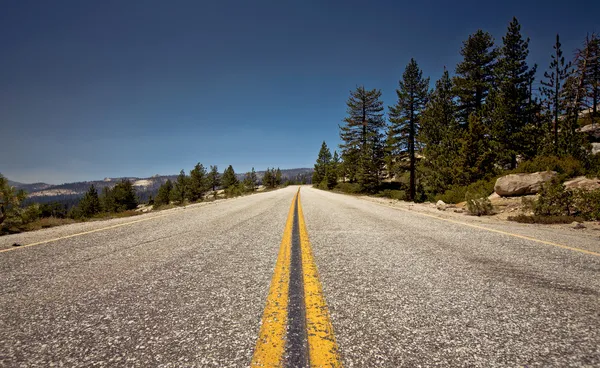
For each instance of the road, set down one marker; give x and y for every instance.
(394, 288)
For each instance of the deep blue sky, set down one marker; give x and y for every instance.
(93, 89)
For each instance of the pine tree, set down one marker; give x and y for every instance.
(587, 62)
(178, 194)
(405, 116)
(474, 75)
(278, 177)
(197, 183)
(371, 163)
(511, 107)
(229, 178)
(90, 203)
(214, 178)
(570, 142)
(10, 204)
(124, 196)
(477, 156)
(552, 87)
(323, 161)
(164, 194)
(441, 137)
(364, 120)
(250, 181)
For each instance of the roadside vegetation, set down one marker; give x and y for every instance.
(121, 199)
(484, 121)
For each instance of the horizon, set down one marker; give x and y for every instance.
(113, 89)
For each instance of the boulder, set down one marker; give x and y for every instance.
(440, 205)
(581, 182)
(577, 225)
(595, 148)
(592, 131)
(522, 184)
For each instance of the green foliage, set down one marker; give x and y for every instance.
(229, 178)
(53, 209)
(405, 116)
(89, 205)
(587, 204)
(179, 192)
(250, 181)
(567, 167)
(350, 188)
(235, 190)
(478, 204)
(458, 193)
(10, 205)
(511, 106)
(442, 136)
(535, 219)
(399, 195)
(370, 168)
(272, 178)
(474, 74)
(164, 194)
(364, 121)
(323, 162)
(554, 200)
(31, 213)
(477, 157)
(120, 198)
(214, 178)
(197, 184)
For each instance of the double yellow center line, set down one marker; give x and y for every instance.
(272, 345)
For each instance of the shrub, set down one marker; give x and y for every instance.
(478, 205)
(455, 194)
(393, 194)
(554, 200)
(567, 167)
(350, 188)
(587, 204)
(235, 190)
(562, 219)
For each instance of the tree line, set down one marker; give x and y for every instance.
(483, 120)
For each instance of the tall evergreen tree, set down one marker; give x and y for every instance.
(90, 203)
(214, 178)
(197, 183)
(365, 120)
(164, 194)
(250, 181)
(371, 163)
(441, 137)
(405, 116)
(179, 192)
(587, 62)
(474, 74)
(552, 87)
(511, 107)
(229, 178)
(278, 177)
(323, 161)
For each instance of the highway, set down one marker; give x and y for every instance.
(299, 277)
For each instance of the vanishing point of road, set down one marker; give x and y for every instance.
(299, 277)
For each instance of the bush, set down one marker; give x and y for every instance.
(350, 188)
(566, 167)
(479, 206)
(562, 219)
(393, 194)
(587, 204)
(457, 194)
(235, 190)
(553, 200)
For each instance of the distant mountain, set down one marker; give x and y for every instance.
(145, 187)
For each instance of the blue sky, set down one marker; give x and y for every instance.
(94, 89)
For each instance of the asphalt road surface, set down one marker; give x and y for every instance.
(192, 287)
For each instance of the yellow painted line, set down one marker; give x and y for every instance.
(83, 233)
(322, 347)
(585, 251)
(270, 347)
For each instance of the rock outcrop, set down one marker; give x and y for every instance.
(595, 148)
(593, 132)
(584, 183)
(522, 184)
